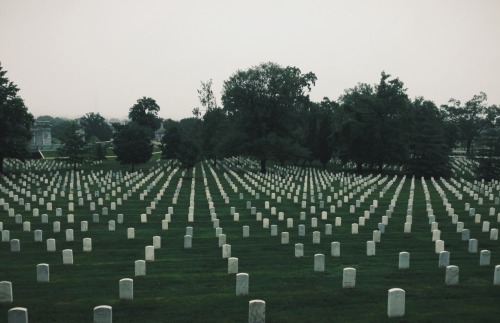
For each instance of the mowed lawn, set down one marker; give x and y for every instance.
(193, 285)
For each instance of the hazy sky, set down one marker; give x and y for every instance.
(70, 57)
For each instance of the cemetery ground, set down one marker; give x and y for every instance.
(193, 284)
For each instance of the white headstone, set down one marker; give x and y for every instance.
(484, 258)
(6, 292)
(404, 260)
(42, 273)
(335, 249)
(242, 284)
(256, 311)
(396, 302)
(349, 278)
(17, 315)
(444, 259)
(126, 289)
(452, 273)
(319, 262)
(67, 256)
(103, 314)
(140, 267)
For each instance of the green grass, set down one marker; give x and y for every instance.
(192, 285)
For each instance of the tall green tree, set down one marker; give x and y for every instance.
(214, 129)
(74, 147)
(132, 144)
(15, 122)
(470, 119)
(262, 105)
(171, 140)
(429, 151)
(320, 139)
(145, 113)
(95, 126)
(488, 153)
(356, 133)
(214, 125)
(374, 123)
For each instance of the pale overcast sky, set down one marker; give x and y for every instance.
(70, 57)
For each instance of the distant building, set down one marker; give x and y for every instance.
(159, 133)
(41, 135)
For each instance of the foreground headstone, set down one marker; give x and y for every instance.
(126, 289)
(87, 245)
(452, 273)
(188, 242)
(256, 311)
(472, 246)
(404, 260)
(103, 314)
(67, 256)
(319, 262)
(396, 302)
(496, 276)
(6, 292)
(15, 245)
(349, 278)
(299, 250)
(149, 253)
(17, 315)
(444, 259)
(42, 273)
(51, 245)
(140, 267)
(246, 231)
(232, 265)
(226, 251)
(370, 248)
(242, 284)
(335, 249)
(484, 258)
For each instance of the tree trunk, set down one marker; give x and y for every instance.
(359, 166)
(133, 167)
(1, 164)
(214, 160)
(468, 147)
(263, 165)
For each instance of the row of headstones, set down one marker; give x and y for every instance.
(103, 313)
(70, 205)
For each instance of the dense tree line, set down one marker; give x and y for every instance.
(267, 114)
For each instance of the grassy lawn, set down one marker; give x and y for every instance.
(192, 285)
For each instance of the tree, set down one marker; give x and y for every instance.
(429, 151)
(355, 136)
(181, 142)
(470, 119)
(214, 131)
(132, 144)
(15, 122)
(94, 125)
(374, 123)
(262, 105)
(73, 146)
(171, 140)
(206, 96)
(488, 156)
(188, 153)
(214, 123)
(145, 114)
(320, 130)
